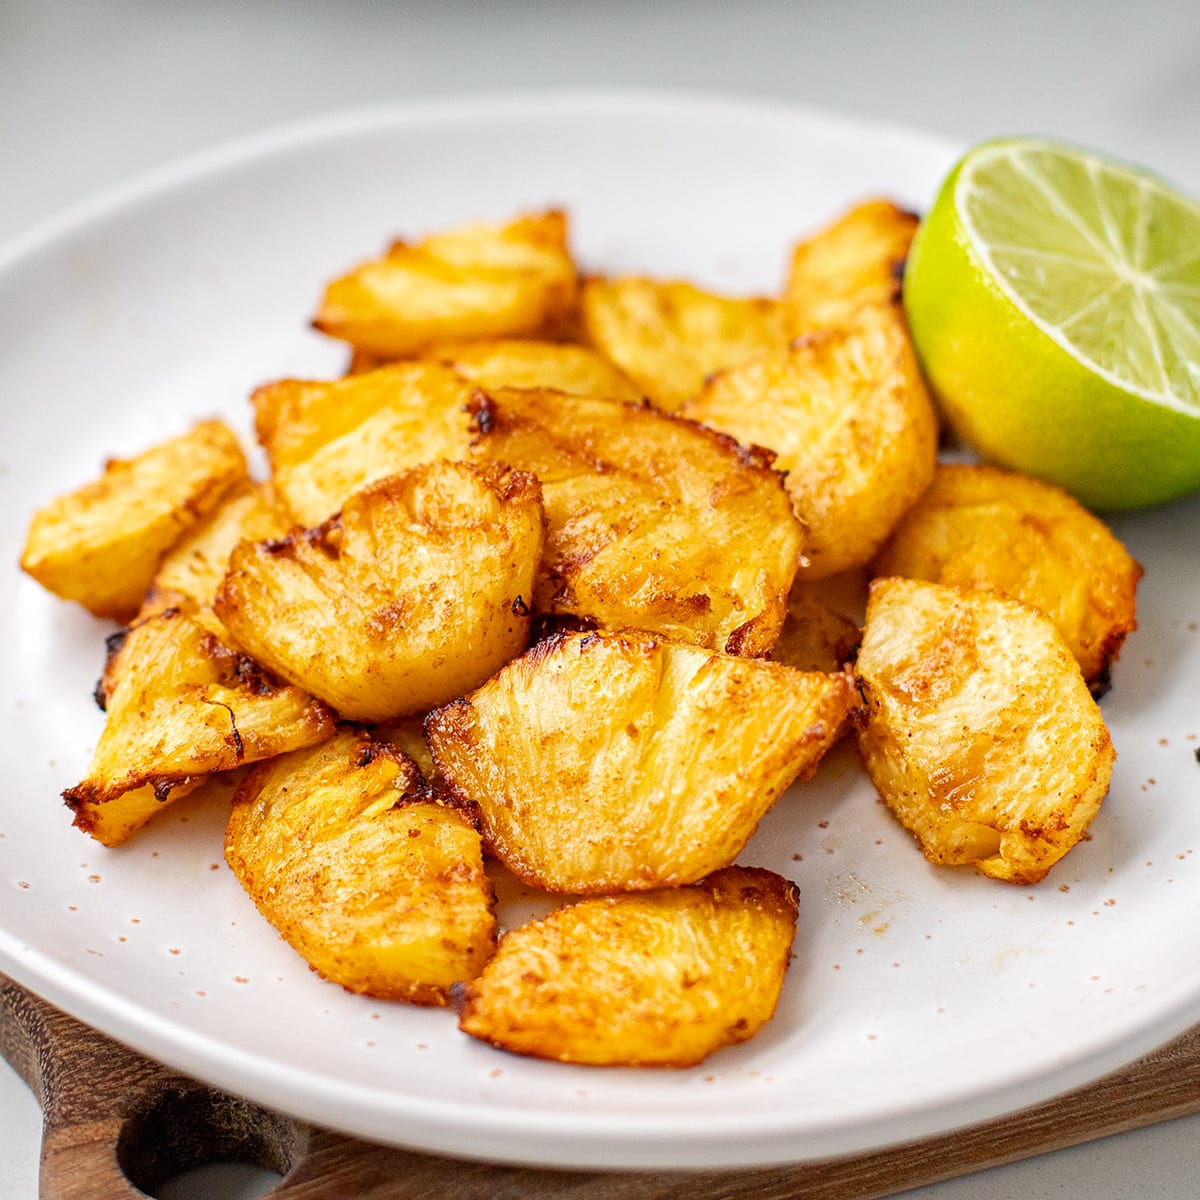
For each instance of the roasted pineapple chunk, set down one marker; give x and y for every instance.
(981, 735)
(978, 526)
(617, 761)
(101, 545)
(856, 261)
(181, 706)
(523, 363)
(815, 637)
(416, 592)
(327, 439)
(654, 522)
(191, 573)
(197, 564)
(669, 336)
(848, 416)
(408, 736)
(476, 281)
(660, 979)
(377, 887)
(117, 820)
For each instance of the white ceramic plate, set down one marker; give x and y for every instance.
(918, 1000)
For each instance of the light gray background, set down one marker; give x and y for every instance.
(91, 93)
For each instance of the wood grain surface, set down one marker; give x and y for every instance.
(118, 1125)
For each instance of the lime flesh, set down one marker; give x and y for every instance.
(1054, 300)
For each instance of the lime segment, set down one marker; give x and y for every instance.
(1054, 299)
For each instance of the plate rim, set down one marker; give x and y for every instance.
(576, 1140)
(156, 180)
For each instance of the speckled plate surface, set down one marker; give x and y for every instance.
(919, 999)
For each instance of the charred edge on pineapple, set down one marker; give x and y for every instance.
(164, 787)
(1102, 682)
(549, 625)
(367, 754)
(113, 644)
(736, 641)
(253, 677)
(439, 792)
(588, 641)
(442, 791)
(325, 537)
(764, 891)
(482, 411)
(747, 455)
(240, 668)
(541, 650)
(370, 750)
(235, 738)
(860, 712)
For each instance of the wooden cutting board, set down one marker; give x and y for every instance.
(116, 1122)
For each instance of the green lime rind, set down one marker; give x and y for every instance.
(1106, 257)
(1021, 399)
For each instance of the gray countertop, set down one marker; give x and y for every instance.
(92, 92)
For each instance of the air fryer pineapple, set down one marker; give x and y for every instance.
(668, 337)
(654, 522)
(619, 761)
(523, 363)
(377, 887)
(192, 572)
(476, 281)
(326, 439)
(101, 545)
(855, 262)
(815, 637)
(978, 526)
(181, 705)
(681, 515)
(416, 592)
(980, 735)
(660, 979)
(847, 414)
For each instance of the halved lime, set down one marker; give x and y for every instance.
(1054, 301)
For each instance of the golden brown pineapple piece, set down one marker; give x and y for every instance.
(668, 337)
(605, 762)
(191, 573)
(654, 522)
(815, 637)
(326, 439)
(181, 705)
(377, 887)
(477, 281)
(848, 416)
(417, 591)
(408, 736)
(981, 735)
(856, 261)
(979, 526)
(523, 363)
(101, 545)
(659, 979)
(197, 564)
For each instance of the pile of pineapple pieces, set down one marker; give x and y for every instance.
(570, 573)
